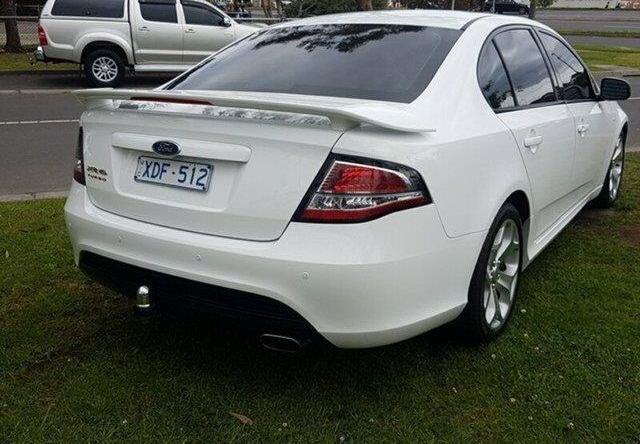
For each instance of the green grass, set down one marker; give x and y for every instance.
(21, 62)
(600, 33)
(77, 367)
(604, 58)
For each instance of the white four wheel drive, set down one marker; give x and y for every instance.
(107, 36)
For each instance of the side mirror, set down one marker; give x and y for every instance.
(226, 22)
(614, 89)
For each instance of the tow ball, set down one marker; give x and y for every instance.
(144, 304)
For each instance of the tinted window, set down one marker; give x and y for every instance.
(493, 79)
(159, 11)
(89, 8)
(378, 62)
(198, 15)
(526, 67)
(572, 75)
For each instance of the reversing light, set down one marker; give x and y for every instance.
(350, 189)
(78, 170)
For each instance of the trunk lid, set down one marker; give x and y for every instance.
(261, 169)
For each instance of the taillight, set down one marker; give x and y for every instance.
(42, 36)
(78, 170)
(354, 189)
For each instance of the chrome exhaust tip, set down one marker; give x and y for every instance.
(285, 344)
(143, 300)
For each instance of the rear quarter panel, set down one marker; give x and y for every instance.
(68, 36)
(471, 163)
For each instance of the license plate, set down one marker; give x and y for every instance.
(175, 173)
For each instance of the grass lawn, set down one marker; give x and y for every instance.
(599, 33)
(603, 58)
(77, 367)
(21, 62)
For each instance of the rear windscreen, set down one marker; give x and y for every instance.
(89, 8)
(364, 61)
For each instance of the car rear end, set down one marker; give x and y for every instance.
(246, 203)
(66, 26)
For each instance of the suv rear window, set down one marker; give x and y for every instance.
(364, 61)
(89, 8)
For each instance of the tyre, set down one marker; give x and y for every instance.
(493, 288)
(613, 180)
(104, 68)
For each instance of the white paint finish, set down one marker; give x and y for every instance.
(251, 200)
(189, 148)
(592, 123)
(344, 113)
(370, 283)
(549, 165)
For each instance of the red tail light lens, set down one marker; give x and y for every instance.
(78, 170)
(352, 189)
(42, 36)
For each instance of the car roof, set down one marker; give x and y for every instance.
(416, 17)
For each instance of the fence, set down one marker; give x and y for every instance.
(28, 27)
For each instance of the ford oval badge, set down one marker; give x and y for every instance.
(166, 148)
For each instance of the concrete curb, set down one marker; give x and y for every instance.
(34, 196)
(50, 72)
(36, 91)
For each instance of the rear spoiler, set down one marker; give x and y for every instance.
(343, 114)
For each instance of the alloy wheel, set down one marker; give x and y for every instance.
(104, 69)
(503, 268)
(615, 169)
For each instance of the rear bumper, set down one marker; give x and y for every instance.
(358, 285)
(38, 54)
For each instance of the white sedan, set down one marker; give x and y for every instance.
(365, 177)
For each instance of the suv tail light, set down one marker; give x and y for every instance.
(42, 36)
(353, 189)
(78, 170)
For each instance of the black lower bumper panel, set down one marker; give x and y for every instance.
(207, 299)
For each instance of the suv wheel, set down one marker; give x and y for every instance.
(104, 68)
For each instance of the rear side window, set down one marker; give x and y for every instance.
(159, 11)
(572, 75)
(493, 79)
(364, 61)
(526, 67)
(199, 15)
(89, 8)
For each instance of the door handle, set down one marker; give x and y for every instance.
(583, 128)
(190, 31)
(143, 29)
(532, 142)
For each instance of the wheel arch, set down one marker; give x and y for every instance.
(520, 200)
(121, 48)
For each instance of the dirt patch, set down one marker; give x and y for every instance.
(596, 221)
(630, 234)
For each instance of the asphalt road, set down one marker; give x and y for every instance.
(600, 20)
(38, 135)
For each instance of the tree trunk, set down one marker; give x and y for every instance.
(365, 5)
(532, 10)
(11, 27)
